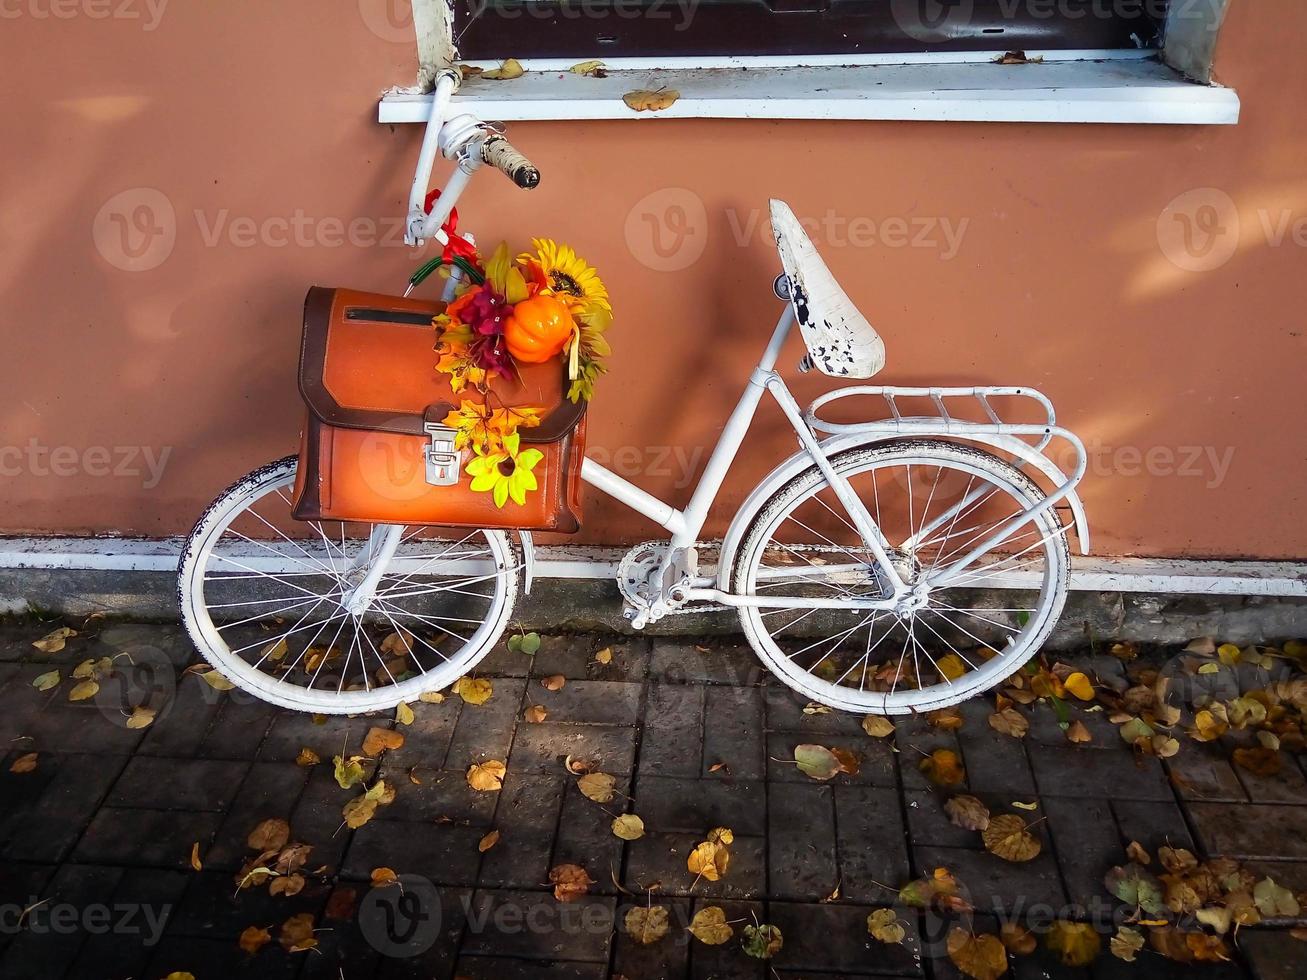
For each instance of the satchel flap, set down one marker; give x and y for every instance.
(368, 361)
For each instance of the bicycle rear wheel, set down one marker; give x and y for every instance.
(934, 501)
(263, 597)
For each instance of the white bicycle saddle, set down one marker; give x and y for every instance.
(840, 341)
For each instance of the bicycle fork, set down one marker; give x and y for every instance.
(383, 542)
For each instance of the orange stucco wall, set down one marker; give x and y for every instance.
(226, 154)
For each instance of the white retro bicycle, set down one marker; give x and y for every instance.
(905, 558)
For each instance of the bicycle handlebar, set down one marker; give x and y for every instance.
(500, 154)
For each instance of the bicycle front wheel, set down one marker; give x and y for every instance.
(265, 599)
(935, 502)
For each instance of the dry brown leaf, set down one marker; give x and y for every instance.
(643, 100)
(604, 656)
(628, 827)
(570, 882)
(254, 939)
(307, 757)
(980, 957)
(535, 714)
(967, 812)
(1009, 721)
(358, 812)
(54, 641)
(554, 682)
(488, 776)
(943, 768)
(877, 726)
(84, 690)
(850, 762)
(24, 764)
(1259, 761)
(195, 857)
(1076, 942)
(1019, 940)
(297, 933)
(884, 926)
(1135, 852)
(1007, 837)
(269, 835)
(945, 719)
(710, 927)
(1077, 732)
(474, 690)
(215, 680)
(1017, 58)
(399, 642)
(378, 740)
(597, 786)
(384, 877)
(141, 717)
(488, 841)
(287, 886)
(647, 924)
(1126, 943)
(509, 69)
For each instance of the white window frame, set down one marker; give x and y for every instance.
(1173, 86)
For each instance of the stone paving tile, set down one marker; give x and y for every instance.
(834, 939)
(785, 714)
(500, 968)
(211, 907)
(317, 819)
(695, 806)
(1087, 844)
(45, 947)
(574, 658)
(660, 858)
(1247, 831)
(590, 702)
(669, 957)
(580, 930)
(995, 763)
(345, 951)
(447, 854)
(871, 844)
(929, 823)
(44, 825)
(997, 886)
(672, 736)
(876, 767)
(431, 952)
(221, 958)
(732, 732)
(585, 835)
(327, 735)
(1152, 824)
(1072, 771)
(238, 728)
(441, 797)
(1202, 773)
(801, 841)
(486, 731)
(167, 784)
(145, 838)
(269, 791)
(543, 748)
(708, 662)
(19, 701)
(1287, 786)
(1045, 728)
(914, 743)
(427, 740)
(526, 817)
(1272, 955)
(726, 962)
(180, 727)
(81, 726)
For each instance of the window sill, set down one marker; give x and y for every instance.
(1107, 90)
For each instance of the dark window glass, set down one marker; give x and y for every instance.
(629, 28)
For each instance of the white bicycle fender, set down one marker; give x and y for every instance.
(801, 461)
(528, 560)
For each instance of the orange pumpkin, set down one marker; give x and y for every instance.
(538, 329)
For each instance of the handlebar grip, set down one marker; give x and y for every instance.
(500, 154)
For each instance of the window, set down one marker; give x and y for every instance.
(583, 29)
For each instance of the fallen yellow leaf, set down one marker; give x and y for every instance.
(487, 777)
(710, 927)
(980, 957)
(510, 68)
(643, 100)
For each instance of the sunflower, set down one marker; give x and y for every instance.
(506, 474)
(560, 270)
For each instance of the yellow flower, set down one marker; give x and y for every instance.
(506, 474)
(564, 273)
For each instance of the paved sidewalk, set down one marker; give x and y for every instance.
(97, 840)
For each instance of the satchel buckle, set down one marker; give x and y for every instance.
(442, 459)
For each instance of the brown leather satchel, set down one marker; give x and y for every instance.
(375, 447)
